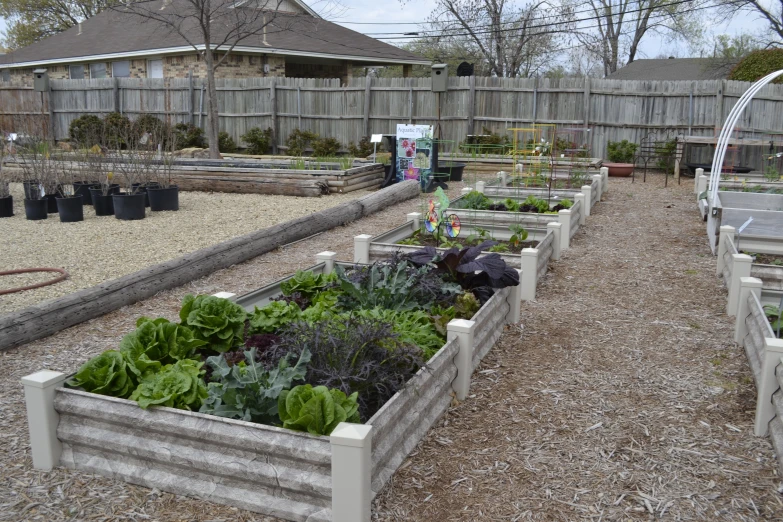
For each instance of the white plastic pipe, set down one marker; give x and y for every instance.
(728, 130)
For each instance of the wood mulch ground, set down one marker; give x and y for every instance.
(620, 396)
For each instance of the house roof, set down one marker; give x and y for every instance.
(116, 34)
(675, 69)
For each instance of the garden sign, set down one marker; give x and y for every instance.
(414, 152)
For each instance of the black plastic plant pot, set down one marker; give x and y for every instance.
(35, 209)
(138, 188)
(455, 169)
(51, 203)
(31, 189)
(6, 206)
(71, 209)
(164, 198)
(82, 188)
(104, 205)
(129, 207)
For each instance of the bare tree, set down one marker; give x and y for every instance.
(616, 28)
(213, 28)
(769, 11)
(513, 40)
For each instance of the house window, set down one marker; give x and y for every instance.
(5, 75)
(97, 70)
(155, 69)
(76, 72)
(120, 69)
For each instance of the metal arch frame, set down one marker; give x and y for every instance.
(728, 129)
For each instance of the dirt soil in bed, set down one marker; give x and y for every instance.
(766, 259)
(620, 396)
(428, 240)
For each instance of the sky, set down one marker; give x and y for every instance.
(398, 17)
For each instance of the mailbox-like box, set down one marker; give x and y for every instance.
(40, 80)
(440, 76)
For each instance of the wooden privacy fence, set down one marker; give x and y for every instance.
(610, 109)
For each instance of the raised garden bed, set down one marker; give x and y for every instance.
(506, 187)
(533, 260)
(270, 470)
(734, 208)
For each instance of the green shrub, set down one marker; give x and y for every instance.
(621, 151)
(226, 143)
(757, 65)
(116, 130)
(298, 141)
(362, 150)
(326, 147)
(187, 135)
(155, 127)
(257, 140)
(86, 131)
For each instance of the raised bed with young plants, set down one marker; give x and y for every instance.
(232, 401)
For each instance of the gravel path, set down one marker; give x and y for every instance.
(103, 248)
(620, 396)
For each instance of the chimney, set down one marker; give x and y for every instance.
(80, 28)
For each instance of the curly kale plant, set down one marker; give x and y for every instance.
(354, 355)
(176, 385)
(106, 374)
(217, 321)
(248, 391)
(316, 410)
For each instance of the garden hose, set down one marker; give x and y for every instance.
(62, 277)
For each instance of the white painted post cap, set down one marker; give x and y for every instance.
(532, 252)
(460, 325)
(326, 254)
(43, 379)
(363, 237)
(751, 282)
(349, 434)
(224, 295)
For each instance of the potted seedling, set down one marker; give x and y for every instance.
(134, 166)
(69, 204)
(101, 194)
(164, 195)
(6, 199)
(40, 172)
(620, 155)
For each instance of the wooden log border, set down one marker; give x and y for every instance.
(51, 316)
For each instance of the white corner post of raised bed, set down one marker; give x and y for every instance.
(598, 184)
(587, 190)
(351, 472)
(361, 248)
(415, 218)
(328, 258)
(726, 231)
(564, 217)
(728, 128)
(741, 264)
(701, 183)
(605, 177)
(463, 330)
(465, 190)
(696, 178)
(585, 203)
(768, 385)
(529, 265)
(225, 295)
(557, 230)
(42, 418)
(514, 300)
(480, 186)
(502, 178)
(748, 286)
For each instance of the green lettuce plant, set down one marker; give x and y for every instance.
(157, 342)
(215, 320)
(249, 392)
(106, 374)
(306, 283)
(316, 410)
(176, 385)
(273, 316)
(412, 327)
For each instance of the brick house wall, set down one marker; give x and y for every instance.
(344, 71)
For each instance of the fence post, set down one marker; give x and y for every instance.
(351, 472)
(415, 218)
(367, 99)
(514, 300)
(299, 105)
(327, 258)
(768, 384)
(741, 268)
(42, 418)
(471, 103)
(50, 104)
(699, 173)
(586, 102)
(190, 98)
(587, 190)
(529, 264)
(748, 285)
(581, 197)
(273, 103)
(116, 93)
(361, 248)
(535, 98)
(463, 330)
(565, 216)
(556, 229)
(410, 102)
(604, 179)
(719, 104)
(725, 231)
